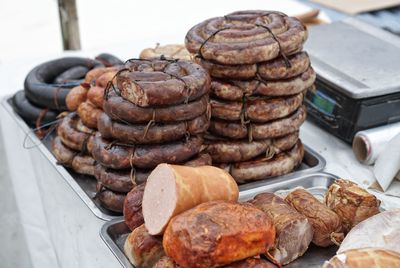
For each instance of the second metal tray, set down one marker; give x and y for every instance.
(114, 233)
(85, 186)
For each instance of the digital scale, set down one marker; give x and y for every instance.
(358, 77)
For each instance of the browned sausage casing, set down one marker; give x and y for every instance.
(142, 249)
(119, 181)
(70, 136)
(133, 215)
(144, 156)
(275, 69)
(62, 153)
(95, 96)
(262, 168)
(258, 131)
(84, 164)
(162, 82)
(244, 37)
(232, 151)
(111, 200)
(89, 114)
(75, 97)
(216, 233)
(293, 231)
(124, 111)
(326, 223)
(151, 133)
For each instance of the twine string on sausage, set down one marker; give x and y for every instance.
(55, 97)
(285, 58)
(38, 122)
(110, 84)
(208, 39)
(133, 174)
(270, 152)
(52, 126)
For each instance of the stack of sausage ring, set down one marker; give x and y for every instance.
(155, 111)
(259, 77)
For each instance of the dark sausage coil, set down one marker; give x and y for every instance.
(162, 82)
(39, 87)
(144, 156)
(151, 133)
(231, 151)
(246, 37)
(259, 131)
(116, 180)
(108, 60)
(124, 111)
(133, 215)
(111, 200)
(235, 90)
(256, 109)
(275, 69)
(31, 113)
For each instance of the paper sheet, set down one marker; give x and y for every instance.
(388, 165)
(357, 6)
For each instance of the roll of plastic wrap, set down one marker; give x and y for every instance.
(368, 144)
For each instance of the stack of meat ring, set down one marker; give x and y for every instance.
(259, 78)
(155, 111)
(73, 144)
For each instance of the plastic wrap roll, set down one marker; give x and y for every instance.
(368, 144)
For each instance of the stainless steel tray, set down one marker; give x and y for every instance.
(114, 232)
(85, 186)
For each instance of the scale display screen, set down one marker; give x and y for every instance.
(322, 102)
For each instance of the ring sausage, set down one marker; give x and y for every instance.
(162, 82)
(227, 151)
(108, 60)
(256, 109)
(235, 90)
(245, 37)
(111, 200)
(133, 215)
(275, 69)
(259, 131)
(62, 153)
(75, 97)
(115, 180)
(150, 134)
(95, 96)
(72, 75)
(84, 164)
(173, 51)
(30, 112)
(262, 168)
(121, 110)
(38, 83)
(70, 136)
(144, 156)
(89, 114)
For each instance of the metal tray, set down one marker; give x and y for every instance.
(85, 186)
(114, 232)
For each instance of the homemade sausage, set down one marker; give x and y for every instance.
(75, 97)
(144, 156)
(162, 82)
(142, 249)
(251, 263)
(89, 114)
(228, 151)
(84, 164)
(326, 223)
(108, 59)
(82, 128)
(293, 231)
(256, 109)
(258, 131)
(69, 135)
(92, 75)
(62, 153)
(352, 203)
(29, 112)
(172, 189)
(216, 233)
(275, 69)
(263, 168)
(73, 74)
(245, 37)
(39, 87)
(124, 111)
(111, 200)
(115, 180)
(95, 96)
(133, 215)
(151, 133)
(235, 90)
